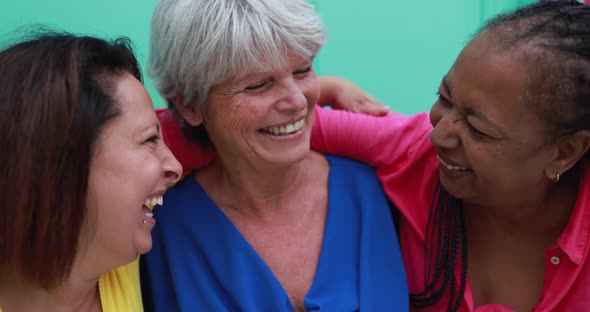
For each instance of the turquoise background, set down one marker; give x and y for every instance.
(397, 50)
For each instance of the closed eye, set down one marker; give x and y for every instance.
(302, 71)
(479, 134)
(443, 100)
(153, 139)
(257, 86)
(475, 131)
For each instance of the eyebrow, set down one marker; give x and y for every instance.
(255, 75)
(151, 126)
(269, 74)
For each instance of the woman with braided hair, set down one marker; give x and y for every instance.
(493, 186)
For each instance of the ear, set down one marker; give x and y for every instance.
(570, 150)
(190, 113)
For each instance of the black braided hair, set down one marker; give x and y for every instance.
(445, 237)
(554, 37)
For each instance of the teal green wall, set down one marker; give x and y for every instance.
(397, 50)
(104, 18)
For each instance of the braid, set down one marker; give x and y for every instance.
(555, 37)
(445, 236)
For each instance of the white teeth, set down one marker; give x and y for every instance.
(151, 202)
(290, 128)
(451, 167)
(285, 129)
(149, 214)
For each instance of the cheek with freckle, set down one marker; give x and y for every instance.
(252, 110)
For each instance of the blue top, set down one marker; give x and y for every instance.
(201, 262)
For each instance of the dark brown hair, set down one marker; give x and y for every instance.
(56, 94)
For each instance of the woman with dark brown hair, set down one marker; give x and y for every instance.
(83, 163)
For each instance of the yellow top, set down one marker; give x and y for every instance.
(120, 290)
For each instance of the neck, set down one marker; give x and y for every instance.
(262, 190)
(528, 217)
(75, 294)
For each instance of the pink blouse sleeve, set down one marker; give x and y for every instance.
(377, 141)
(190, 154)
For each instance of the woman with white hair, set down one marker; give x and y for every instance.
(261, 228)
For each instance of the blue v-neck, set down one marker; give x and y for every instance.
(201, 262)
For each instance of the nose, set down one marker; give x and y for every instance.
(171, 166)
(445, 133)
(293, 96)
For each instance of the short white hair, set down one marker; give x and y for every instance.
(197, 44)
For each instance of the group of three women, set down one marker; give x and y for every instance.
(479, 205)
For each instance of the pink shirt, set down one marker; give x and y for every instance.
(189, 154)
(399, 147)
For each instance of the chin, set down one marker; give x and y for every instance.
(144, 246)
(455, 190)
(289, 156)
(293, 157)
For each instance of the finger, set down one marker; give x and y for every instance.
(375, 108)
(380, 110)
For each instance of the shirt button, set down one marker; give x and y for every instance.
(554, 260)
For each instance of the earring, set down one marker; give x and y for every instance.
(556, 177)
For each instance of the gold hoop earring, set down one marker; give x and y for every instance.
(556, 177)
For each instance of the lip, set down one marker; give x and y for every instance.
(290, 121)
(158, 193)
(447, 161)
(285, 136)
(451, 168)
(149, 221)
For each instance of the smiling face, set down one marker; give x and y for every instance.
(130, 164)
(264, 118)
(490, 144)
